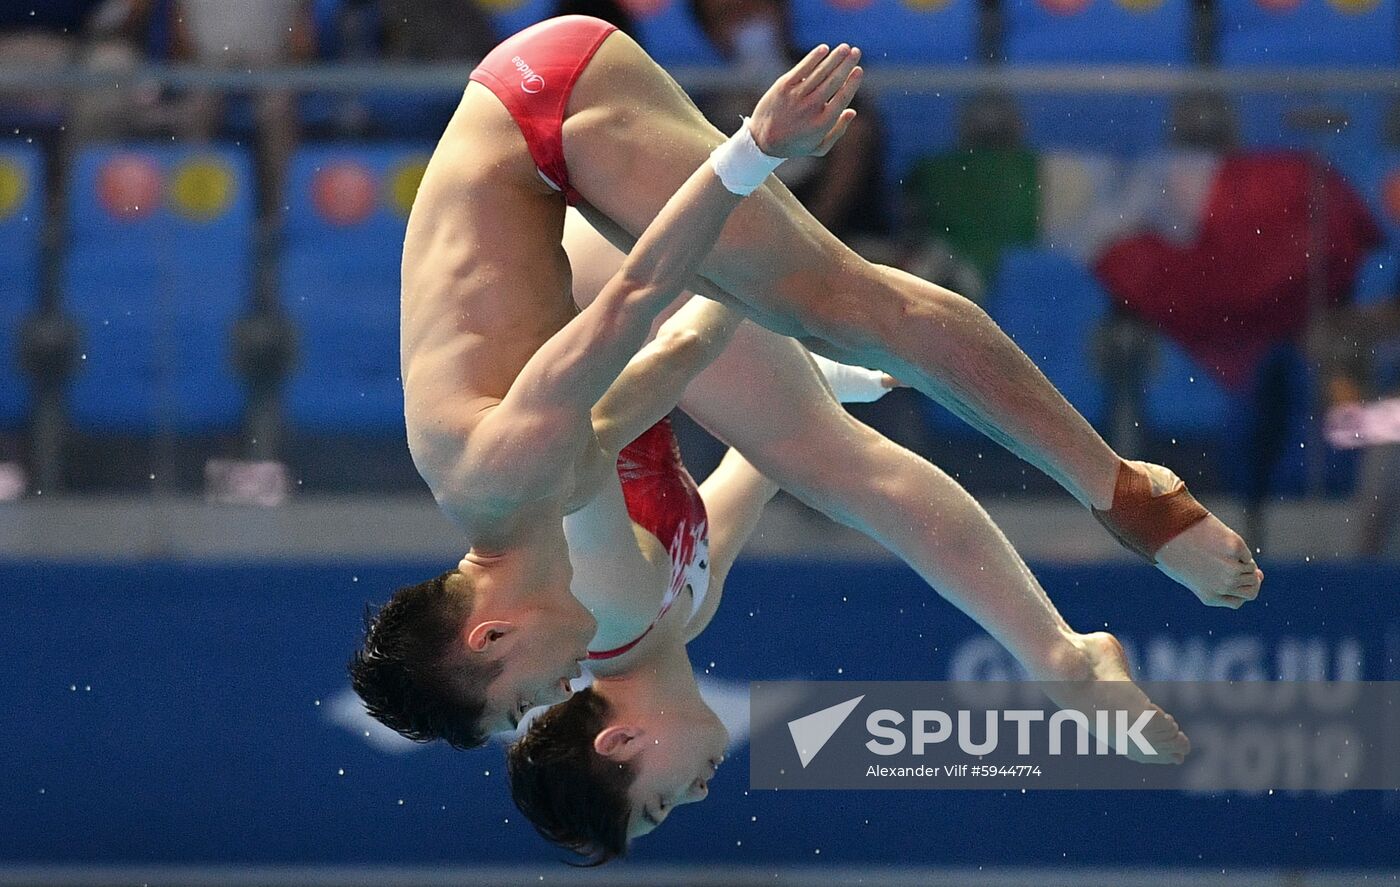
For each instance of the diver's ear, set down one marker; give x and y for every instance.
(620, 743)
(483, 634)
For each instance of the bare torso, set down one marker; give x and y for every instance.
(485, 283)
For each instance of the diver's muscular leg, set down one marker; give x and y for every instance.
(630, 138)
(764, 397)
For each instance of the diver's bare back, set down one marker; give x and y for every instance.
(485, 282)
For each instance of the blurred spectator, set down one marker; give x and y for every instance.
(1360, 353)
(406, 31)
(845, 190)
(248, 34)
(434, 30)
(54, 34)
(970, 205)
(252, 33)
(1239, 293)
(42, 34)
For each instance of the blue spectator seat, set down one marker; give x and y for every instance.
(892, 31)
(1349, 141)
(511, 17)
(1098, 32)
(669, 34)
(347, 210)
(1378, 280)
(21, 228)
(1379, 181)
(1311, 33)
(898, 32)
(1183, 400)
(1378, 178)
(914, 126)
(1051, 305)
(665, 29)
(350, 32)
(159, 267)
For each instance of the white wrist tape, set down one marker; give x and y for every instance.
(852, 384)
(739, 163)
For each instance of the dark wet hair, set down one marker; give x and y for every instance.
(414, 674)
(574, 797)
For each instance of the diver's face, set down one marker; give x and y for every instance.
(678, 758)
(540, 650)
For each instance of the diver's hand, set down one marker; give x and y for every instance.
(806, 110)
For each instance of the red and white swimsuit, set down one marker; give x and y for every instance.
(662, 499)
(533, 73)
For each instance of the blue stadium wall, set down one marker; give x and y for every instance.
(186, 713)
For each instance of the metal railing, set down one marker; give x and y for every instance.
(1092, 79)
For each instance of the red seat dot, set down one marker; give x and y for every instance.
(129, 186)
(646, 8)
(1065, 7)
(344, 193)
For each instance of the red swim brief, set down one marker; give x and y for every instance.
(533, 73)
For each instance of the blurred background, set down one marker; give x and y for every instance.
(1186, 211)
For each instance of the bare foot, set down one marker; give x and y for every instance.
(1209, 558)
(1108, 686)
